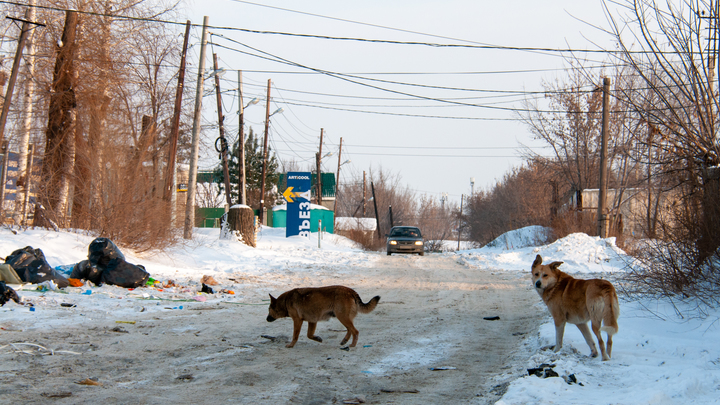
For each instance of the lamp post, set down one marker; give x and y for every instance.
(265, 147)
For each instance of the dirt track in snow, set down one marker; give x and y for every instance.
(430, 315)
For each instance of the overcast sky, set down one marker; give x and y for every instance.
(398, 107)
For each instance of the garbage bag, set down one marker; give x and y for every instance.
(126, 275)
(103, 253)
(31, 266)
(85, 271)
(107, 265)
(7, 294)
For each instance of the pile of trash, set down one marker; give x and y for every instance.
(105, 265)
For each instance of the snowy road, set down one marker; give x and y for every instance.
(430, 316)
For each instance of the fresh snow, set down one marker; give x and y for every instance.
(658, 357)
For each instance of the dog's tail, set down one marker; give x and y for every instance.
(365, 308)
(610, 315)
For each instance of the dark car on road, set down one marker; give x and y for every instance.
(405, 239)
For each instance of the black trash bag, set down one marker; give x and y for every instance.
(85, 271)
(103, 253)
(106, 265)
(7, 294)
(126, 275)
(31, 266)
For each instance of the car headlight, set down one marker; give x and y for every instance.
(418, 243)
(393, 242)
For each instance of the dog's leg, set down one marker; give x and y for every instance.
(609, 345)
(601, 343)
(351, 331)
(589, 339)
(311, 332)
(297, 325)
(559, 332)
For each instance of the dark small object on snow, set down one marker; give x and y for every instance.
(67, 305)
(185, 377)
(346, 348)
(543, 371)
(7, 294)
(31, 266)
(491, 318)
(271, 338)
(61, 394)
(207, 289)
(571, 379)
(119, 329)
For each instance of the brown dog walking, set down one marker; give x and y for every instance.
(320, 304)
(576, 301)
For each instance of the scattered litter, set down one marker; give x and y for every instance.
(360, 399)
(224, 291)
(209, 280)
(40, 349)
(119, 329)
(67, 305)
(185, 377)
(62, 394)
(571, 379)
(271, 338)
(47, 285)
(32, 309)
(491, 318)
(89, 381)
(75, 282)
(442, 368)
(87, 292)
(367, 346)
(200, 298)
(346, 348)
(207, 289)
(131, 322)
(400, 391)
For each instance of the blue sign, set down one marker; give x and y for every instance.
(297, 196)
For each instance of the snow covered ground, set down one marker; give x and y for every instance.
(658, 358)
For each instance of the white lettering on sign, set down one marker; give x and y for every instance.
(305, 233)
(304, 214)
(305, 224)
(298, 177)
(304, 205)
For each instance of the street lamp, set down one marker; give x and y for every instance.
(241, 148)
(265, 146)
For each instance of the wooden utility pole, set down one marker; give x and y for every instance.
(364, 200)
(170, 170)
(265, 146)
(24, 31)
(197, 117)
(460, 218)
(241, 143)
(223, 148)
(337, 184)
(377, 218)
(318, 180)
(602, 195)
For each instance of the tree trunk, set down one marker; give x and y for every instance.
(242, 219)
(58, 161)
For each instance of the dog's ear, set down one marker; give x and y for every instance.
(272, 299)
(537, 262)
(555, 265)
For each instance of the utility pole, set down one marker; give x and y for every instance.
(460, 219)
(364, 200)
(223, 142)
(265, 146)
(377, 219)
(170, 170)
(337, 184)
(318, 181)
(197, 117)
(241, 143)
(602, 195)
(16, 66)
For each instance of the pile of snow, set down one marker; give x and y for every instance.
(579, 252)
(520, 238)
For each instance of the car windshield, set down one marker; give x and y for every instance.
(406, 232)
